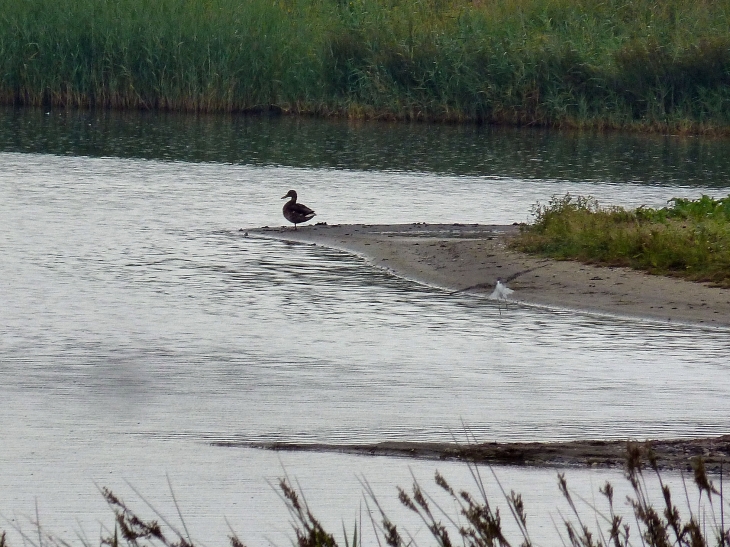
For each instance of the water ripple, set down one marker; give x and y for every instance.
(138, 323)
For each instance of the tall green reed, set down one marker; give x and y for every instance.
(617, 63)
(182, 55)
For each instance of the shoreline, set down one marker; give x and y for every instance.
(469, 258)
(672, 454)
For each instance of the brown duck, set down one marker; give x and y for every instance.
(296, 212)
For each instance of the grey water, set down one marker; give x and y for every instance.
(139, 325)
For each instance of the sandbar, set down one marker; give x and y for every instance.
(469, 258)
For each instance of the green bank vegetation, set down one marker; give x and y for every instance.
(640, 64)
(474, 520)
(688, 238)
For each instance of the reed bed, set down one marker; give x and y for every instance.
(567, 63)
(688, 238)
(473, 519)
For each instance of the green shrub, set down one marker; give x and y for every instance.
(688, 238)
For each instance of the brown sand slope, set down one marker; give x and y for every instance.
(471, 258)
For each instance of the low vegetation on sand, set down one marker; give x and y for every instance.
(474, 520)
(688, 238)
(640, 64)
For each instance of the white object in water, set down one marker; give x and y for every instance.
(501, 291)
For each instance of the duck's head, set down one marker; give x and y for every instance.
(290, 194)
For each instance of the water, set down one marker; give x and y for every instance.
(139, 325)
(532, 154)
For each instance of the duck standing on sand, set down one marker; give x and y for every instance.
(296, 212)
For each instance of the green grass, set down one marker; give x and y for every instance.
(179, 55)
(688, 238)
(568, 63)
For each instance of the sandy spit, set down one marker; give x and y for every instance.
(470, 258)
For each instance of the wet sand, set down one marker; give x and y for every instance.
(674, 455)
(470, 258)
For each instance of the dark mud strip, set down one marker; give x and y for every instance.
(671, 454)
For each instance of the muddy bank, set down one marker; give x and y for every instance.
(470, 258)
(676, 455)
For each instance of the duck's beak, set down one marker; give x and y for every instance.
(284, 197)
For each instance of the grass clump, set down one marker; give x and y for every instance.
(688, 238)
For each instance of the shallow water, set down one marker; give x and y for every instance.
(139, 325)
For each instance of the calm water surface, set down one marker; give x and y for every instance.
(138, 324)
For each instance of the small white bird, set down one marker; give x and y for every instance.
(501, 291)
